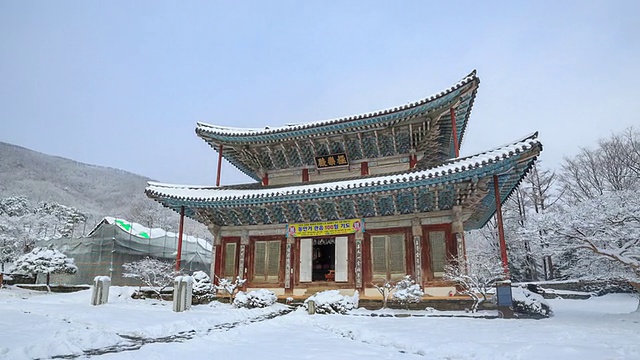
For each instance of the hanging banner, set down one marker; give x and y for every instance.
(338, 227)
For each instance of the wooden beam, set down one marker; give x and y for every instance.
(503, 244)
(181, 230)
(454, 127)
(219, 165)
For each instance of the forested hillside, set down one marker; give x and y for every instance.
(92, 189)
(43, 196)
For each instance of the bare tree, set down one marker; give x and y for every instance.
(613, 166)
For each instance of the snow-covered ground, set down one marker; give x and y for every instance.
(36, 325)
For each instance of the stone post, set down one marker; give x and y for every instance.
(182, 293)
(100, 291)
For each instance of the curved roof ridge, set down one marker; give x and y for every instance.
(235, 131)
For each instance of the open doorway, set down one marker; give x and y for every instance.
(324, 259)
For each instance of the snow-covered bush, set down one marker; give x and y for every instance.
(529, 303)
(407, 291)
(202, 286)
(153, 273)
(332, 302)
(230, 287)
(44, 261)
(255, 299)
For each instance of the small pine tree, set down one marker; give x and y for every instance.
(202, 286)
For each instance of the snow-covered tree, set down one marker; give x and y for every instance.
(153, 273)
(202, 286)
(44, 261)
(611, 166)
(475, 277)
(407, 291)
(385, 289)
(607, 226)
(230, 287)
(9, 250)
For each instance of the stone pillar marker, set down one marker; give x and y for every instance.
(182, 293)
(100, 291)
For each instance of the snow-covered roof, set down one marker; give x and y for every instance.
(212, 194)
(145, 232)
(216, 131)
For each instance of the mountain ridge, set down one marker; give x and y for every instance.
(94, 189)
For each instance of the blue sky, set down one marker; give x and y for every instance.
(122, 84)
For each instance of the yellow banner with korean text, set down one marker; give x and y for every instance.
(325, 228)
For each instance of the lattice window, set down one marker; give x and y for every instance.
(266, 261)
(388, 257)
(229, 269)
(437, 242)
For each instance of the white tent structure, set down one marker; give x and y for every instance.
(114, 242)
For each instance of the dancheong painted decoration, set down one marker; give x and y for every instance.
(294, 229)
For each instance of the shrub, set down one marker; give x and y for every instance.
(407, 291)
(202, 286)
(332, 302)
(255, 299)
(529, 303)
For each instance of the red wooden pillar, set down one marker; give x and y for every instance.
(503, 243)
(265, 179)
(219, 165)
(454, 128)
(181, 228)
(364, 168)
(305, 175)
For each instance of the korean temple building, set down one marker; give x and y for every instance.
(349, 202)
